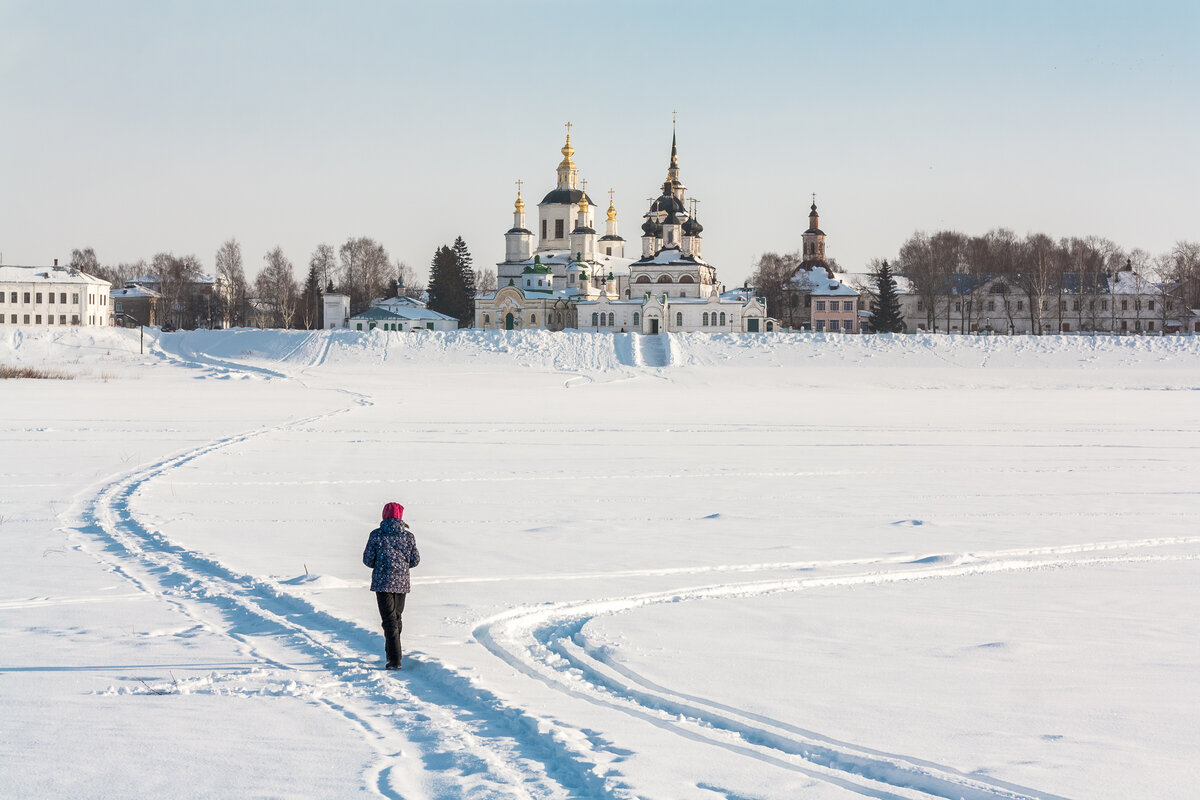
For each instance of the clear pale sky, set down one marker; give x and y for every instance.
(139, 127)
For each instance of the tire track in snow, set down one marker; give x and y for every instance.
(479, 743)
(546, 643)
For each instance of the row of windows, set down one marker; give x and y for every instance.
(847, 325)
(36, 319)
(1062, 305)
(36, 297)
(664, 279)
(847, 305)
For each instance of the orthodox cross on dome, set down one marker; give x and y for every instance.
(568, 127)
(518, 186)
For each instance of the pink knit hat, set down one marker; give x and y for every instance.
(393, 511)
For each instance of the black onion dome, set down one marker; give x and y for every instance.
(651, 228)
(668, 203)
(692, 227)
(563, 197)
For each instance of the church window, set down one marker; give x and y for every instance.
(686, 279)
(705, 322)
(543, 229)
(558, 229)
(637, 318)
(572, 280)
(487, 320)
(595, 323)
(679, 318)
(611, 319)
(642, 279)
(608, 251)
(664, 279)
(722, 317)
(533, 319)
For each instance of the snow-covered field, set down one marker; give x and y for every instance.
(781, 566)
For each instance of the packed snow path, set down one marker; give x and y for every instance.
(455, 726)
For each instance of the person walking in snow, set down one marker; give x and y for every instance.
(391, 552)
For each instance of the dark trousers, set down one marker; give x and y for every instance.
(391, 607)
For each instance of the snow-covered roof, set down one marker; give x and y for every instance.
(18, 274)
(671, 255)
(400, 300)
(815, 280)
(134, 292)
(401, 313)
(564, 258)
(743, 294)
(376, 313)
(1129, 282)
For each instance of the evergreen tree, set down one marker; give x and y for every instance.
(446, 292)
(462, 255)
(310, 303)
(886, 316)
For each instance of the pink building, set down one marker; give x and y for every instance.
(834, 307)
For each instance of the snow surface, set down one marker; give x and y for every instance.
(686, 566)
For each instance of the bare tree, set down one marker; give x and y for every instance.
(365, 272)
(407, 284)
(276, 288)
(231, 274)
(485, 280)
(85, 261)
(771, 279)
(177, 277)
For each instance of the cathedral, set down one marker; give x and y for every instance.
(575, 278)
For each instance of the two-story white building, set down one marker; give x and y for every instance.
(53, 296)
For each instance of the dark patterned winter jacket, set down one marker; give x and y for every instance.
(391, 551)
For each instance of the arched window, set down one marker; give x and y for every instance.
(487, 320)
(594, 322)
(642, 279)
(533, 319)
(679, 319)
(722, 318)
(686, 279)
(705, 322)
(664, 279)
(611, 319)
(637, 318)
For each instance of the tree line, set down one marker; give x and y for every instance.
(360, 268)
(948, 268)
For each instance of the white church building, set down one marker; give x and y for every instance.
(575, 278)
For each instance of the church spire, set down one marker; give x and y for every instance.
(673, 168)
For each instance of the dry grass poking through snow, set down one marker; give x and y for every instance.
(30, 372)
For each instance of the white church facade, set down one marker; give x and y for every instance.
(575, 278)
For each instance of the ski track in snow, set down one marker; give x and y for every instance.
(548, 645)
(471, 741)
